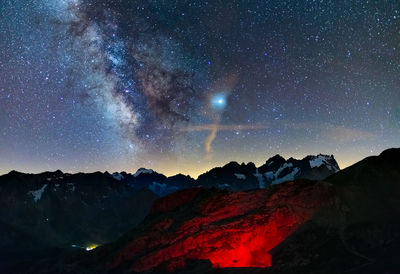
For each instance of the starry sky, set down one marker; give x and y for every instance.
(183, 86)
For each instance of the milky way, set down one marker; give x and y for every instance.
(137, 73)
(181, 86)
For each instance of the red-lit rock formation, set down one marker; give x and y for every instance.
(228, 229)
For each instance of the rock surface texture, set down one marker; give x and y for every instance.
(228, 229)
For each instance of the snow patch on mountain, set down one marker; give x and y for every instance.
(282, 167)
(240, 176)
(273, 177)
(223, 186)
(37, 194)
(320, 160)
(260, 178)
(162, 189)
(287, 177)
(317, 162)
(118, 176)
(270, 175)
(158, 188)
(143, 171)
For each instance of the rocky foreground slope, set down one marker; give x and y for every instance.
(348, 223)
(39, 212)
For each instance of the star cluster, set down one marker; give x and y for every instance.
(181, 86)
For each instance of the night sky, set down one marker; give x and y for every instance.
(183, 86)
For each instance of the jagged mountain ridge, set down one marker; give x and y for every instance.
(234, 176)
(345, 224)
(59, 210)
(158, 183)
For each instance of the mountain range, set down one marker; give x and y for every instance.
(346, 223)
(59, 210)
(286, 216)
(234, 176)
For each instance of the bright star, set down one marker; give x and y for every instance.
(218, 101)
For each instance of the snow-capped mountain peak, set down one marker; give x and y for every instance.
(322, 159)
(143, 171)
